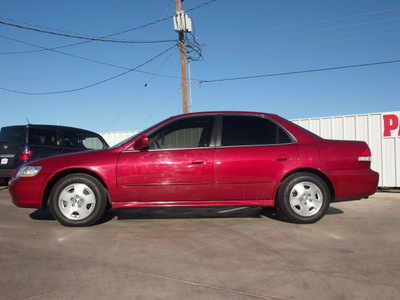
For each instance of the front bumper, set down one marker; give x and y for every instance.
(27, 192)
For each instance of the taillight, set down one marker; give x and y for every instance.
(25, 154)
(365, 155)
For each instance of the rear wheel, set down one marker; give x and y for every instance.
(303, 198)
(78, 200)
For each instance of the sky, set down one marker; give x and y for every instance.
(114, 65)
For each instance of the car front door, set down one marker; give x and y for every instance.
(177, 165)
(251, 155)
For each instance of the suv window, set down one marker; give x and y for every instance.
(184, 133)
(70, 139)
(91, 141)
(247, 130)
(42, 137)
(12, 134)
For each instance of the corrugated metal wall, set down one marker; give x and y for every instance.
(369, 128)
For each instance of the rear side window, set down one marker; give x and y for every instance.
(70, 139)
(12, 135)
(91, 141)
(42, 137)
(248, 130)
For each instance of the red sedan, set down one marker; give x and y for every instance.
(202, 159)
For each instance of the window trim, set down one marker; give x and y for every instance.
(220, 124)
(212, 139)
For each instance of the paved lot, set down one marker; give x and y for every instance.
(353, 253)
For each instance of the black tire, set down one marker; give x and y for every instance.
(303, 198)
(78, 200)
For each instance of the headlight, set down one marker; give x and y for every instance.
(28, 171)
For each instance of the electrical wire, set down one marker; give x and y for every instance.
(91, 39)
(90, 85)
(140, 91)
(306, 38)
(160, 106)
(305, 31)
(96, 39)
(302, 24)
(301, 72)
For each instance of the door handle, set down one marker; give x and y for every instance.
(198, 162)
(283, 158)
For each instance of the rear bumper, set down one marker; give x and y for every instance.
(6, 173)
(353, 184)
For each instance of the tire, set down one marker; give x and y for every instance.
(303, 198)
(78, 200)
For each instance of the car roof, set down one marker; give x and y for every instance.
(44, 126)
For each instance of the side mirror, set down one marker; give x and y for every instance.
(141, 143)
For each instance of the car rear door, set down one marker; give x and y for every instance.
(252, 154)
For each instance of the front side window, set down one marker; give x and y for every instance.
(249, 130)
(183, 133)
(42, 137)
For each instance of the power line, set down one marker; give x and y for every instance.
(141, 90)
(87, 59)
(87, 86)
(301, 72)
(302, 24)
(96, 39)
(313, 31)
(91, 39)
(308, 38)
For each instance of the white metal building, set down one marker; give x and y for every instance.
(115, 137)
(380, 130)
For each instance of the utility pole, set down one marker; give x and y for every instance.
(180, 20)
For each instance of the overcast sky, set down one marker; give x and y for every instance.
(113, 65)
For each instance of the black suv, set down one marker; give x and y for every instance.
(19, 144)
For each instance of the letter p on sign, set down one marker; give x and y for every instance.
(390, 122)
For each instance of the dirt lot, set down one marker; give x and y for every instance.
(207, 253)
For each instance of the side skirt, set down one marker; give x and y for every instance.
(193, 203)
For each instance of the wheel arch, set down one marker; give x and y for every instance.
(316, 172)
(50, 184)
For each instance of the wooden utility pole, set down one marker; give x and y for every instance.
(183, 64)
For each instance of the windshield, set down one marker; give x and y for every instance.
(124, 141)
(135, 135)
(12, 134)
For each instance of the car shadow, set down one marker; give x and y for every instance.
(334, 211)
(182, 213)
(42, 215)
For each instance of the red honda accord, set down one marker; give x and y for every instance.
(202, 159)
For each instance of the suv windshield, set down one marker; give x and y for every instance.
(12, 134)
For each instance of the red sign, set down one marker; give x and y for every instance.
(391, 125)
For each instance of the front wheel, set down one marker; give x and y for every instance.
(78, 200)
(303, 198)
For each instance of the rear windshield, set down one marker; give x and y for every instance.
(12, 135)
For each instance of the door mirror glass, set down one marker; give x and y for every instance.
(141, 143)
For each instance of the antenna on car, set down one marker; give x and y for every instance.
(27, 121)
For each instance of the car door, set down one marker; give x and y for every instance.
(176, 166)
(252, 154)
